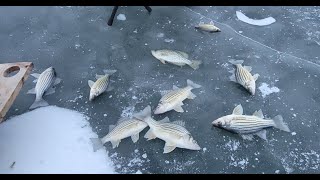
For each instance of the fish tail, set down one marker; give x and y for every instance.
(109, 72)
(192, 84)
(195, 64)
(142, 115)
(96, 143)
(278, 120)
(39, 103)
(235, 62)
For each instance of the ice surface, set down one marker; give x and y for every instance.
(260, 22)
(50, 140)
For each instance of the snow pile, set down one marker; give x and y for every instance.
(50, 140)
(121, 17)
(260, 22)
(265, 90)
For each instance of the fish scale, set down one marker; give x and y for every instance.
(174, 95)
(122, 127)
(243, 75)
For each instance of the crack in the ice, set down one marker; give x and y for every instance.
(279, 52)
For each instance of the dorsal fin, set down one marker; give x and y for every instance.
(111, 127)
(164, 120)
(258, 114)
(248, 68)
(174, 87)
(238, 110)
(99, 76)
(179, 122)
(122, 119)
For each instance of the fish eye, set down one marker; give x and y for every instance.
(219, 123)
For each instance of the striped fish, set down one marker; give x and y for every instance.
(247, 126)
(124, 128)
(173, 133)
(172, 100)
(243, 76)
(101, 85)
(178, 58)
(45, 85)
(208, 27)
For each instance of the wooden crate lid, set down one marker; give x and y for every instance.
(10, 86)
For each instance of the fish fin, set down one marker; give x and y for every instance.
(280, 124)
(238, 110)
(35, 81)
(109, 72)
(262, 134)
(51, 90)
(150, 135)
(191, 96)
(135, 138)
(36, 75)
(185, 55)
(111, 127)
(179, 122)
(247, 137)
(99, 76)
(195, 64)
(146, 112)
(255, 77)
(233, 71)
(233, 78)
(162, 61)
(259, 114)
(178, 109)
(164, 120)
(164, 92)
(122, 120)
(57, 81)
(110, 88)
(96, 143)
(248, 68)
(174, 87)
(32, 91)
(192, 84)
(235, 62)
(115, 143)
(168, 147)
(39, 103)
(90, 83)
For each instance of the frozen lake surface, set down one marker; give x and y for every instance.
(78, 42)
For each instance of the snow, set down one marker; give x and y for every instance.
(257, 22)
(50, 140)
(121, 17)
(160, 35)
(266, 90)
(169, 40)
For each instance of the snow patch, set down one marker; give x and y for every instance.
(257, 22)
(265, 90)
(127, 112)
(169, 40)
(121, 17)
(160, 35)
(50, 140)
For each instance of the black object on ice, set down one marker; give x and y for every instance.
(114, 11)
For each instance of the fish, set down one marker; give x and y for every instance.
(101, 85)
(173, 133)
(178, 58)
(173, 99)
(247, 126)
(45, 85)
(125, 127)
(208, 27)
(243, 76)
